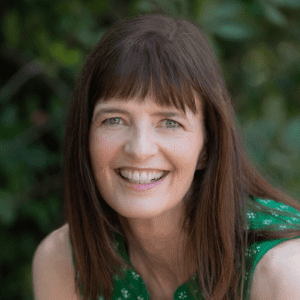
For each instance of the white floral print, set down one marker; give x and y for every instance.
(132, 287)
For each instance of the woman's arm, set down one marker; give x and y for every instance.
(53, 270)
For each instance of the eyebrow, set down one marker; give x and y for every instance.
(122, 111)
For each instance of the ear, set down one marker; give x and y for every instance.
(202, 160)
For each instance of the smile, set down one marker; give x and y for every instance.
(141, 186)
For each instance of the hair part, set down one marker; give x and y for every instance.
(171, 60)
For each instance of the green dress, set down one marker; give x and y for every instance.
(132, 287)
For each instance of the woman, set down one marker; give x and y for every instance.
(162, 200)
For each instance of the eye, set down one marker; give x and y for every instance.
(110, 123)
(176, 123)
(107, 122)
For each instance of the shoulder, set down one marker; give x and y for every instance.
(53, 272)
(55, 245)
(277, 275)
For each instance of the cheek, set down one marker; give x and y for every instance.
(100, 152)
(187, 149)
(107, 143)
(102, 144)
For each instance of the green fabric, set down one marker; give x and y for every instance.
(132, 287)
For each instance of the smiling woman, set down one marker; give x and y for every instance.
(151, 102)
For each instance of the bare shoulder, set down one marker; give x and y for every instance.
(52, 268)
(285, 250)
(56, 244)
(270, 269)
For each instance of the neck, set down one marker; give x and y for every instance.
(156, 249)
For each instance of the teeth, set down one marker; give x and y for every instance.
(141, 178)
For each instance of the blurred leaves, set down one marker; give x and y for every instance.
(59, 52)
(43, 47)
(274, 15)
(234, 31)
(12, 28)
(290, 136)
(287, 3)
(7, 208)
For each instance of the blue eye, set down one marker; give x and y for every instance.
(105, 121)
(173, 122)
(108, 122)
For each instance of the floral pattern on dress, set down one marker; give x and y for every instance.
(132, 287)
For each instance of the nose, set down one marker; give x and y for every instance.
(141, 143)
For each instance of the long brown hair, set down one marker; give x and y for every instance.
(170, 58)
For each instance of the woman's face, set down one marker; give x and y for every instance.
(142, 139)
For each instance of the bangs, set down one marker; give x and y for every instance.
(144, 69)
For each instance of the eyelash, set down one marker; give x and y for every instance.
(105, 121)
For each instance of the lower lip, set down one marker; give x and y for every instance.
(142, 187)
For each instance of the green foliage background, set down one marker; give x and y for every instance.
(43, 47)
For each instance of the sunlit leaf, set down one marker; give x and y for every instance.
(64, 55)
